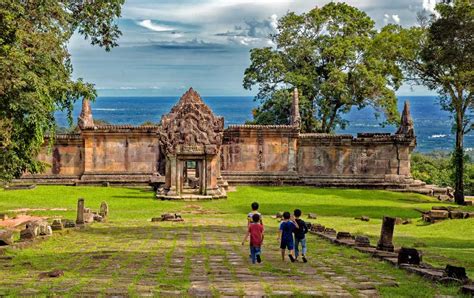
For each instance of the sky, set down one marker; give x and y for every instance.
(168, 46)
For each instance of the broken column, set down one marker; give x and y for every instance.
(80, 212)
(386, 234)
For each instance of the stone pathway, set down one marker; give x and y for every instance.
(200, 257)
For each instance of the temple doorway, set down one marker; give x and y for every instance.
(191, 178)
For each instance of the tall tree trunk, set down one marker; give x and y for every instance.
(458, 159)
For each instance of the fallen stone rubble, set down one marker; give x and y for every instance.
(409, 259)
(439, 213)
(168, 217)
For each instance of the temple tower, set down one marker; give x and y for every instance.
(85, 119)
(406, 123)
(295, 118)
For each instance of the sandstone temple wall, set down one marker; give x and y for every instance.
(257, 148)
(239, 154)
(65, 157)
(118, 150)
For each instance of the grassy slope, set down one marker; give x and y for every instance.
(451, 241)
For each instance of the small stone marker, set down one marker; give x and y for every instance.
(3, 216)
(6, 237)
(468, 290)
(80, 212)
(27, 234)
(343, 235)
(57, 225)
(104, 210)
(456, 272)
(386, 234)
(279, 215)
(168, 217)
(362, 241)
(68, 223)
(318, 228)
(98, 218)
(312, 216)
(54, 273)
(363, 218)
(409, 256)
(330, 231)
(88, 216)
(456, 214)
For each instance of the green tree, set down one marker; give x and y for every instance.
(36, 70)
(444, 62)
(336, 58)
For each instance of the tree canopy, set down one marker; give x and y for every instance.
(337, 60)
(444, 62)
(36, 70)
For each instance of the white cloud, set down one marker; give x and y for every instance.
(394, 18)
(429, 5)
(154, 27)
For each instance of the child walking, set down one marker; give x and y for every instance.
(255, 231)
(254, 211)
(300, 235)
(287, 226)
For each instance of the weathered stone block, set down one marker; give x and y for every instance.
(455, 272)
(439, 214)
(343, 235)
(362, 241)
(57, 225)
(68, 223)
(6, 237)
(409, 256)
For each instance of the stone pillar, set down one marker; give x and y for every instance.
(200, 171)
(80, 212)
(386, 235)
(171, 175)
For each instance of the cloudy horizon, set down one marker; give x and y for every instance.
(168, 46)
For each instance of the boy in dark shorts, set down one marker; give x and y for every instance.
(255, 231)
(287, 226)
(300, 235)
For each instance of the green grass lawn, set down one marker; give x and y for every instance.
(451, 241)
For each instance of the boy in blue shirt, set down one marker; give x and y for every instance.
(287, 226)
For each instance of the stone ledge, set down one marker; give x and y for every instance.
(189, 197)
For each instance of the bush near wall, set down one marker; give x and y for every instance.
(436, 168)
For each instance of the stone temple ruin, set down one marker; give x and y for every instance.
(192, 155)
